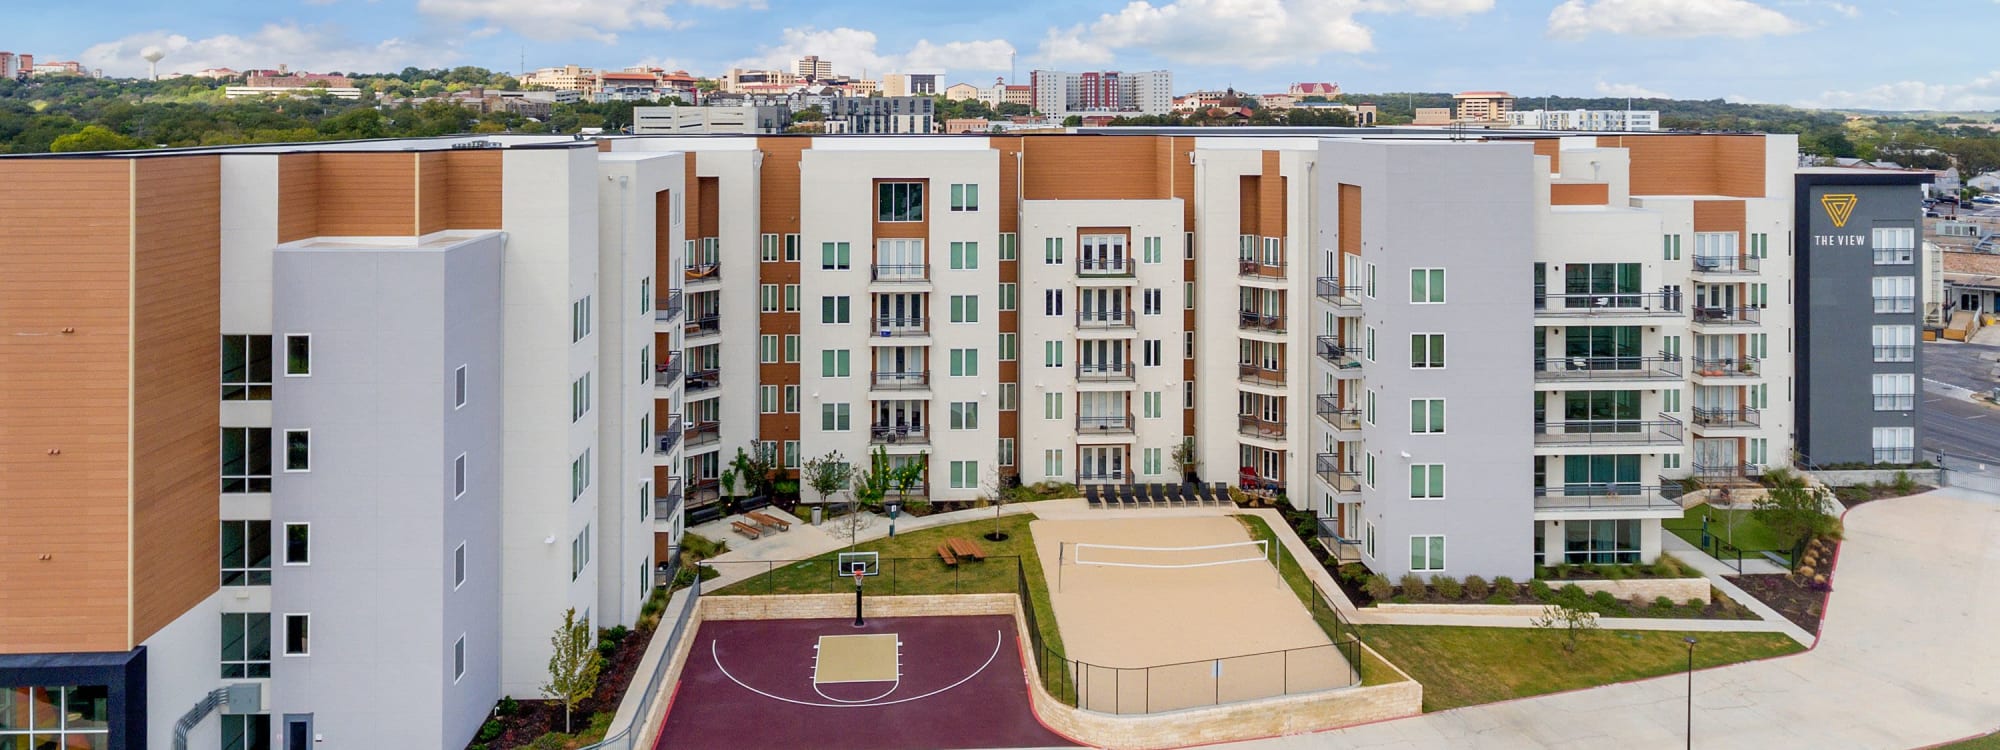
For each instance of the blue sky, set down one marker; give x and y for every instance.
(1860, 53)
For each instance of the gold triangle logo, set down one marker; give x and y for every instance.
(1839, 206)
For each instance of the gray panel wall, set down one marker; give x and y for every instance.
(1836, 318)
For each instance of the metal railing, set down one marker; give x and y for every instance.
(1725, 470)
(1726, 316)
(668, 502)
(1104, 372)
(1745, 367)
(1328, 408)
(627, 737)
(1895, 402)
(1104, 266)
(1328, 348)
(901, 381)
(1895, 354)
(704, 272)
(1744, 417)
(1895, 256)
(899, 434)
(704, 433)
(1104, 477)
(895, 327)
(1258, 375)
(1895, 455)
(704, 325)
(1900, 303)
(1104, 318)
(667, 373)
(699, 381)
(1327, 466)
(1329, 288)
(895, 274)
(1729, 264)
(1610, 496)
(1607, 304)
(1118, 425)
(1258, 269)
(1661, 367)
(1251, 320)
(669, 435)
(1663, 431)
(670, 306)
(1252, 426)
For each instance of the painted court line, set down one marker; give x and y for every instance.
(998, 639)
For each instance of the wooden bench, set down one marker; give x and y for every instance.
(965, 548)
(745, 529)
(944, 551)
(771, 521)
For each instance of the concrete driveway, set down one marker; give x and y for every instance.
(1905, 659)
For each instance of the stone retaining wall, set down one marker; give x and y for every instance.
(1854, 477)
(1509, 610)
(1647, 589)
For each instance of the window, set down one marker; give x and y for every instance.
(835, 256)
(1150, 404)
(964, 308)
(246, 731)
(1426, 286)
(1150, 350)
(1895, 391)
(964, 363)
(298, 450)
(1052, 462)
(458, 566)
(645, 434)
(246, 645)
(1368, 345)
(964, 475)
(791, 298)
(75, 716)
(1427, 415)
(965, 415)
(1052, 406)
(298, 633)
(1368, 542)
(1187, 344)
(1006, 451)
(834, 363)
(1427, 553)
(771, 247)
(1895, 445)
(1149, 250)
(965, 197)
(246, 459)
(1009, 245)
(767, 399)
(1895, 245)
(1052, 251)
(645, 295)
(645, 499)
(899, 201)
(579, 553)
(1009, 293)
(791, 399)
(458, 476)
(458, 659)
(768, 298)
(1670, 246)
(767, 349)
(792, 248)
(298, 355)
(1895, 343)
(246, 553)
(1426, 350)
(1009, 343)
(1602, 542)
(833, 417)
(1052, 302)
(835, 310)
(1152, 301)
(579, 319)
(1368, 406)
(965, 255)
(1009, 397)
(1895, 294)
(791, 348)
(298, 543)
(579, 397)
(1370, 280)
(246, 368)
(1052, 354)
(792, 458)
(1368, 468)
(1427, 481)
(458, 387)
(579, 476)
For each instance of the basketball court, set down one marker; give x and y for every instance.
(1173, 613)
(897, 682)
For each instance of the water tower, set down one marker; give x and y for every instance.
(153, 55)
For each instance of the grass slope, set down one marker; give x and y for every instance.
(1373, 671)
(1748, 535)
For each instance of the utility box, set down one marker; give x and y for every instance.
(243, 698)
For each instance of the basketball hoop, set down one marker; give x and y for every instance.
(858, 573)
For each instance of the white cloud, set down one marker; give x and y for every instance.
(1982, 93)
(1845, 9)
(301, 47)
(1250, 33)
(568, 19)
(854, 52)
(1576, 19)
(1629, 90)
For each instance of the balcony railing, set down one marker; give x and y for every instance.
(1663, 431)
(1104, 266)
(1607, 304)
(704, 272)
(1260, 270)
(1327, 466)
(1662, 367)
(1104, 372)
(1895, 354)
(1895, 455)
(902, 381)
(1328, 408)
(1726, 470)
(899, 434)
(704, 492)
(1894, 256)
(1118, 425)
(1895, 401)
(897, 274)
(1727, 367)
(704, 325)
(667, 374)
(1251, 320)
(1744, 417)
(1729, 264)
(1901, 303)
(1610, 496)
(669, 435)
(899, 327)
(704, 433)
(919, 488)
(668, 502)
(1328, 288)
(1253, 426)
(1340, 357)
(670, 306)
(1103, 476)
(1726, 316)
(699, 381)
(1097, 319)
(1257, 375)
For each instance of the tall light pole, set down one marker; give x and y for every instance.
(1691, 691)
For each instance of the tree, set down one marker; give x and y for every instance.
(1072, 121)
(1186, 463)
(93, 138)
(827, 474)
(757, 468)
(573, 665)
(998, 483)
(1792, 510)
(1574, 621)
(907, 476)
(870, 486)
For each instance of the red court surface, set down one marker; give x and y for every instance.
(749, 684)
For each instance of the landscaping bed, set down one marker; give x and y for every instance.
(1803, 604)
(539, 723)
(1560, 589)
(1858, 494)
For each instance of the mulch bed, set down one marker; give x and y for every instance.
(538, 717)
(1853, 496)
(1801, 603)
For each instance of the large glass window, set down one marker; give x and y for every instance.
(1605, 409)
(246, 732)
(1427, 553)
(899, 201)
(75, 716)
(246, 645)
(1600, 475)
(1602, 347)
(246, 553)
(246, 368)
(1605, 542)
(246, 459)
(1601, 285)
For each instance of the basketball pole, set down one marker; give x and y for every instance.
(858, 622)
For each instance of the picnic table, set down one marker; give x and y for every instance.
(769, 521)
(965, 548)
(746, 529)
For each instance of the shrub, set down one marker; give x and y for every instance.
(606, 647)
(550, 741)
(1498, 599)
(617, 632)
(508, 706)
(1506, 587)
(1904, 485)
(1561, 570)
(1668, 566)
(1354, 572)
(489, 730)
(1615, 572)
(1378, 588)
(1447, 587)
(1605, 600)
(1540, 590)
(1663, 604)
(1476, 588)
(1413, 586)
(1571, 595)
(1693, 603)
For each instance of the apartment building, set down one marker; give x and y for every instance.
(812, 68)
(565, 78)
(1483, 106)
(1059, 93)
(881, 115)
(1632, 120)
(739, 120)
(911, 84)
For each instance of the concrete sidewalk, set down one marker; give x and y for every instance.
(1715, 570)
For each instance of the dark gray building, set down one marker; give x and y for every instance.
(1859, 282)
(881, 114)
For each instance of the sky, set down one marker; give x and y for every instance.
(1878, 54)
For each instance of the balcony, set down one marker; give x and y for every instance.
(704, 272)
(1249, 425)
(1895, 354)
(1726, 316)
(1724, 418)
(703, 433)
(1250, 320)
(901, 381)
(1103, 372)
(1609, 432)
(1607, 305)
(899, 274)
(1726, 471)
(918, 489)
(899, 434)
(1256, 375)
(704, 492)
(910, 327)
(667, 374)
(1726, 367)
(670, 306)
(1118, 425)
(704, 325)
(1343, 298)
(1725, 265)
(1327, 466)
(1571, 369)
(1100, 267)
(1345, 359)
(1104, 319)
(1259, 270)
(1328, 408)
(667, 503)
(699, 381)
(1103, 476)
(1610, 497)
(668, 436)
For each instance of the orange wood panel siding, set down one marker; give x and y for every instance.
(1350, 224)
(474, 183)
(433, 192)
(1551, 148)
(1088, 167)
(1248, 201)
(1730, 165)
(1271, 198)
(1008, 202)
(1739, 165)
(1579, 194)
(691, 200)
(177, 314)
(778, 213)
(367, 195)
(709, 207)
(298, 196)
(663, 243)
(1720, 216)
(66, 265)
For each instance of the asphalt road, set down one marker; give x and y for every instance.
(1961, 429)
(1967, 366)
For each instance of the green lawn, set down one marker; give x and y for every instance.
(1748, 535)
(1464, 666)
(1988, 742)
(1373, 671)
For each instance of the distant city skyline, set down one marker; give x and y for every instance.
(1816, 53)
